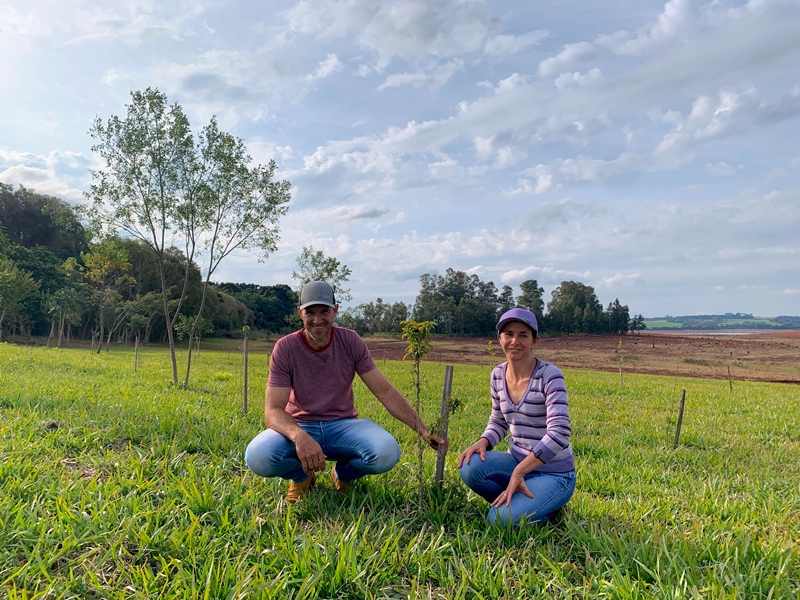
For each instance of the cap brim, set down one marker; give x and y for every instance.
(316, 303)
(505, 322)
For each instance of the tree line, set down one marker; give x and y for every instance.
(463, 305)
(56, 282)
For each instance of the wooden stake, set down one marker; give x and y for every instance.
(244, 391)
(730, 381)
(680, 420)
(620, 374)
(445, 418)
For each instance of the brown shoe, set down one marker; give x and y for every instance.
(296, 490)
(341, 486)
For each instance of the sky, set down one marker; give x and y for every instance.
(647, 149)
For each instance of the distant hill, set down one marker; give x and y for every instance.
(725, 321)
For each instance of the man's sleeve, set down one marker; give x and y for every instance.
(362, 355)
(280, 372)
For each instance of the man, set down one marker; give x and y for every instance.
(309, 409)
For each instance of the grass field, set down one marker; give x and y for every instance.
(118, 485)
(662, 324)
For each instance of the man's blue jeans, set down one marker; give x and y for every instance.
(359, 447)
(489, 478)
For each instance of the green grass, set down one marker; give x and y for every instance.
(115, 485)
(662, 324)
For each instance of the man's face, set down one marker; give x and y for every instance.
(317, 321)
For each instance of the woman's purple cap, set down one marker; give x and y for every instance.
(518, 314)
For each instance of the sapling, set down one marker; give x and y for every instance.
(490, 347)
(417, 332)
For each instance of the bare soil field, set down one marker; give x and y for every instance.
(752, 356)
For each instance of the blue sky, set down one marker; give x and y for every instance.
(647, 149)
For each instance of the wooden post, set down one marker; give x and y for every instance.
(136, 354)
(620, 374)
(384, 357)
(445, 417)
(680, 420)
(244, 347)
(730, 381)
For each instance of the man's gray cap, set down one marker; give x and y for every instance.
(317, 292)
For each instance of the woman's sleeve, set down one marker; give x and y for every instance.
(558, 423)
(497, 427)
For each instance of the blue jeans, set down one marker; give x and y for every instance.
(489, 478)
(359, 447)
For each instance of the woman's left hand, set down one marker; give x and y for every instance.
(515, 484)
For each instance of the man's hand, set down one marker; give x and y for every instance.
(434, 441)
(310, 454)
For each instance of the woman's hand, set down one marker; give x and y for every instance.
(515, 484)
(480, 447)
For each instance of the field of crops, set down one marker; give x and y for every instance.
(119, 485)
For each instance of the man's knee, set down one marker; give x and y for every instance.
(262, 455)
(384, 454)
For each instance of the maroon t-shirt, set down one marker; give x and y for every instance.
(321, 380)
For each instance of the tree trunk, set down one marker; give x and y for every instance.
(2, 316)
(60, 331)
(170, 337)
(194, 327)
(52, 329)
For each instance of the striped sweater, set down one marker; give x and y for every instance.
(539, 423)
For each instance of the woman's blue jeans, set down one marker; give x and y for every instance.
(489, 478)
(359, 447)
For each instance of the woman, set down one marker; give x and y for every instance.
(536, 476)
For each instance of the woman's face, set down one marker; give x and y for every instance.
(516, 340)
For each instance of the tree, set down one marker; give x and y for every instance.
(270, 305)
(32, 219)
(637, 323)
(65, 304)
(237, 207)
(105, 271)
(618, 317)
(532, 298)
(16, 286)
(574, 307)
(506, 299)
(458, 303)
(158, 184)
(315, 266)
(375, 317)
(146, 178)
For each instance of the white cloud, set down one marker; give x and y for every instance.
(671, 23)
(506, 45)
(330, 65)
(577, 78)
(43, 181)
(416, 80)
(411, 29)
(796, 162)
(619, 280)
(791, 291)
(114, 75)
(571, 54)
(546, 274)
(436, 77)
(566, 210)
(578, 170)
(723, 169)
